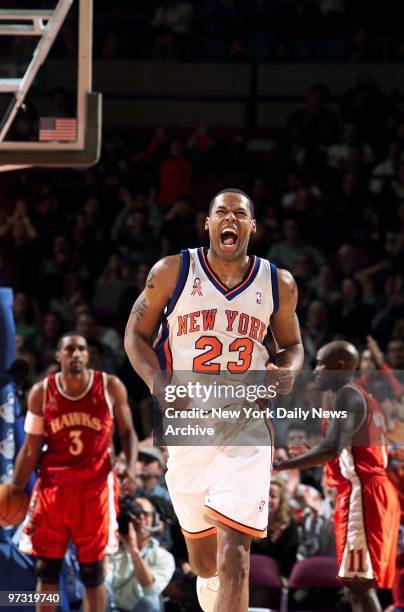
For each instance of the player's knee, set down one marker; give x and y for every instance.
(204, 567)
(48, 570)
(204, 570)
(233, 561)
(92, 574)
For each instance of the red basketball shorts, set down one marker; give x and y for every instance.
(86, 515)
(367, 519)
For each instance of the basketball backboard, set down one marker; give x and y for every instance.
(48, 56)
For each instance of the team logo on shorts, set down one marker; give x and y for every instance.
(258, 297)
(262, 505)
(197, 287)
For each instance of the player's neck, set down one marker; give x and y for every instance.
(230, 272)
(74, 384)
(343, 379)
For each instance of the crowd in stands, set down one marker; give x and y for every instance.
(76, 246)
(280, 31)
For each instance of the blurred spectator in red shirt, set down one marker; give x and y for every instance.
(175, 175)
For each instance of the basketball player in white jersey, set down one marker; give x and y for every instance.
(214, 307)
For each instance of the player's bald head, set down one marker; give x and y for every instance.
(339, 355)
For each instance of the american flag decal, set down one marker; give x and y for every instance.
(57, 128)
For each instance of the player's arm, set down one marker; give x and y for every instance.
(286, 332)
(339, 433)
(145, 317)
(124, 425)
(30, 451)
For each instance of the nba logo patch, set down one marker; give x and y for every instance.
(258, 297)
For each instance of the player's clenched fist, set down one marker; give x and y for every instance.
(283, 378)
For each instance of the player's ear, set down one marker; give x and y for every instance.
(253, 226)
(57, 356)
(207, 223)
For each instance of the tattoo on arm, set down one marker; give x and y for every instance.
(149, 280)
(139, 307)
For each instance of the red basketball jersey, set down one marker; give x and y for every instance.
(78, 432)
(367, 456)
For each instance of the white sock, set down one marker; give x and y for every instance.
(206, 590)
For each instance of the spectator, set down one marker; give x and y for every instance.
(359, 106)
(351, 317)
(129, 295)
(284, 252)
(259, 193)
(110, 285)
(341, 155)
(303, 268)
(362, 50)
(200, 141)
(151, 473)
(141, 569)
(397, 185)
(19, 250)
(24, 317)
(72, 294)
(175, 175)
(395, 354)
(316, 331)
(172, 24)
(316, 124)
(383, 173)
(88, 327)
(347, 260)
(323, 286)
(45, 343)
(291, 480)
(317, 531)
(398, 52)
(133, 239)
(179, 226)
(395, 237)
(283, 541)
(155, 146)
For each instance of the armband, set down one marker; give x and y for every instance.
(34, 424)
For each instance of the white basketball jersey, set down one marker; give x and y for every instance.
(209, 328)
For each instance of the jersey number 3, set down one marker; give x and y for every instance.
(204, 363)
(76, 446)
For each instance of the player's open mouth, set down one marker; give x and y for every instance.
(228, 239)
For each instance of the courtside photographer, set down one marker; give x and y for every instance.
(141, 569)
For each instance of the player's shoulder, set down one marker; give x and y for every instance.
(287, 288)
(170, 263)
(36, 395)
(114, 384)
(164, 272)
(286, 279)
(39, 387)
(352, 395)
